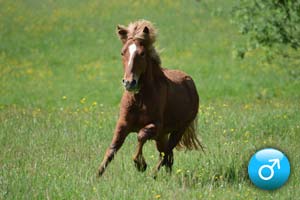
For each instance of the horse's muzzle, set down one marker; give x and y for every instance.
(130, 85)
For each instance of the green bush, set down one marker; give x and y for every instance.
(268, 23)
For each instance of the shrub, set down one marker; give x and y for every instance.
(268, 23)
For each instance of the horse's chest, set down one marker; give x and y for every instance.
(145, 115)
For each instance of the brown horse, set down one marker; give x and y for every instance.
(157, 103)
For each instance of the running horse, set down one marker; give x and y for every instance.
(158, 104)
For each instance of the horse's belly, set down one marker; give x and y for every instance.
(179, 113)
(183, 101)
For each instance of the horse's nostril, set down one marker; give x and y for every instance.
(129, 84)
(133, 83)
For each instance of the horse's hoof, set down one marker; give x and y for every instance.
(140, 166)
(100, 172)
(154, 176)
(168, 169)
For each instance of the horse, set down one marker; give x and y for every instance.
(158, 104)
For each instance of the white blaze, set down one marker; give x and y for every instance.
(132, 50)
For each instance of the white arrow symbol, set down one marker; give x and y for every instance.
(275, 161)
(270, 167)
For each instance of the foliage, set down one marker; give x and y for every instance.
(269, 23)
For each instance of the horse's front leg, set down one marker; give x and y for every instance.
(121, 132)
(144, 134)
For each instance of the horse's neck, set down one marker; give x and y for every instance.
(152, 76)
(151, 80)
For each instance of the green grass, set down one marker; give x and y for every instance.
(60, 72)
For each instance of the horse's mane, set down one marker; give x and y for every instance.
(135, 31)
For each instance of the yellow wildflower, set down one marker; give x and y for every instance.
(247, 106)
(29, 71)
(82, 101)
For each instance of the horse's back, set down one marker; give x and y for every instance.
(182, 99)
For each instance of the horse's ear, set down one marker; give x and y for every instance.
(146, 30)
(122, 33)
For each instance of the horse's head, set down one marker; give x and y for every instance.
(136, 41)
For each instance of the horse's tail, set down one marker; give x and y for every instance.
(189, 139)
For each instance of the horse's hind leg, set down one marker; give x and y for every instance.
(166, 158)
(174, 138)
(144, 134)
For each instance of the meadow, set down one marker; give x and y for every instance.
(60, 87)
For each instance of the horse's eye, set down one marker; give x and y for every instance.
(142, 54)
(122, 53)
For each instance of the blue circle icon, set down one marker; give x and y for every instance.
(269, 169)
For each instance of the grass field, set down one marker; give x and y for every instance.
(60, 73)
